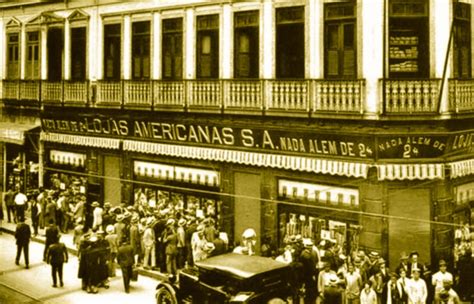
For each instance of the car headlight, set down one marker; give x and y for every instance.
(241, 297)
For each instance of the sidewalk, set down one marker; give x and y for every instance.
(66, 238)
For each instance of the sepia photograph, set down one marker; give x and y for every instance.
(236, 151)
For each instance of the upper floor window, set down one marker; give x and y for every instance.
(112, 51)
(55, 53)
(208, 46)
(290, 42)
(141, 50)
(172, 52)
(340, 40)
(246, 46)
(462, 40)
(408, 39)
(78, 53)
(13, 55)
(32, 70)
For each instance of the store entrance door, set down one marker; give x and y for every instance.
(407, 233)
(112, 185)
(247, 209)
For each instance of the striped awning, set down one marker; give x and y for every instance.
(410, 171)
(296, 163)
(88, 141)
(318, 192)
(14, 133)
(462, 168)
(177, 173)
(464, 193)
(67, 158)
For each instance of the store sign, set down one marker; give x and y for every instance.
(356, 146)
(419, 146)
(261, 139)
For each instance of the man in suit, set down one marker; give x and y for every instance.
(52, 236)
(22, 235)
(414, 263)
(126, 261)
(56, 257)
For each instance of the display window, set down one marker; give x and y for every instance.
(294, 224)
(408, 39)
(186, 202)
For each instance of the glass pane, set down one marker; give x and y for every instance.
(333, 36)
(244, 43)
(348, 35)
(206, 44)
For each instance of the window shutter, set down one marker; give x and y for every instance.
(333, 63)
(349, 63)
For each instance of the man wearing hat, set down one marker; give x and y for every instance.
(416, 288)
(181, 245)
(97, 216)
(438, 278)
(309, 273)
(170, 239)
(414, 263)
(353, 282)
(447, 294)
(148, 240)
(403, 263)
(135, 240)
(120, 227)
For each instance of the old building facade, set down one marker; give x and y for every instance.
(343, 120)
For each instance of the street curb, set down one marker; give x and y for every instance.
(144, 272)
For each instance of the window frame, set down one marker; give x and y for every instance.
(250, 27)
(207, 27)
(144, 54)
(173, 32)
(111, 39)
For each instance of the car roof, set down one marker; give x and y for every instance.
(240, 265)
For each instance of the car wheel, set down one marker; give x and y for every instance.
(164, 296)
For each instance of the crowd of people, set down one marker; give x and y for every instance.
(164, 236)
(324, 275)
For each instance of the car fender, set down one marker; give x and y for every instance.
(168, 286)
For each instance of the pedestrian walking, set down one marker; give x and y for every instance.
(41, 201)
(111, 237)
(22, 236)
(20, 205)
(10, 205)
(52, 236)
(149, 244)
(57, 255)
(34, 212)
(126, 261)
(97, 216)
(353, 283)
(171, 250)
(438, 278)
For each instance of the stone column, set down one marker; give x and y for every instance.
(127, 47)
(371, 19)
(157, 47)
(190, 44)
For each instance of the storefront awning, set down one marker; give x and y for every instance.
(462, 168)
(67, 158)
(14, 133)
(410, 171)
(88, 141)
(318, 192)
(177, 173)
(296, 163)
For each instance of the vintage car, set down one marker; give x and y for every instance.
(229, 278)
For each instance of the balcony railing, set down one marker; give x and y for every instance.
(461, 95)
(250, 96)
(411, 96)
